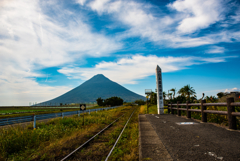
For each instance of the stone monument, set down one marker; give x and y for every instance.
(160, 102)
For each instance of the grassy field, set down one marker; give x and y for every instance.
(48, 140)
(127, 147)
(152, 109)
(14, 111)
(57, 138)
(26, 111)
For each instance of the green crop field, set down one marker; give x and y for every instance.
(25, 111)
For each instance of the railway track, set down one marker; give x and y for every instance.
(93, 142)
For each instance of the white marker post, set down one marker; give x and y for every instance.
(160, 105)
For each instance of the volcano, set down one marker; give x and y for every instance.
(97, 86)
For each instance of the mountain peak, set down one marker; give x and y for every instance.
(100, 75)
(98, 78)
(97, 86)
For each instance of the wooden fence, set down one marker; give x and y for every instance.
(232, 122)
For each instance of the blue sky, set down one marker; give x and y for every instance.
(48, 47)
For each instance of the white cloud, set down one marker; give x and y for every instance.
(172, 30)
(198, 14)
(129, 70)
(98, 5)
(216, 50)
(235, 89)
(21, 91)
(31, 40)
(82, 2)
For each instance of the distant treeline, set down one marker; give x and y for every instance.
(112, 101)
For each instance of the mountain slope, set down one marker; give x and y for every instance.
(97, 86)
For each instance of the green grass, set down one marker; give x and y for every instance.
(26, 111)
(22, 111)
(25, 143)
(127, 147)
(30, 111)
(152, 109)
(48, 140)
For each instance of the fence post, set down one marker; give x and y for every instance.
(34, 121)
(231, 118)
(171, 109)
(204, 115)
(178, 111)
(62, 115)
(78, 113)
(89, 111)
(188, 112)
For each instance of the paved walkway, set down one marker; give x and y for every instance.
(151, 147)
(183, 141)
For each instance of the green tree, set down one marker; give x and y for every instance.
(193, 98)
(113, 101)
(164, 96)
(187, 91)
(140, 102)
(180, 98)
(169, 95)
(181, 92)
(220, 94)
(174, 92)
(153, 98)
(211, 99)
(100, 101)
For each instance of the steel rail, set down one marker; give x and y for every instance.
(66, 157)
(119, 136)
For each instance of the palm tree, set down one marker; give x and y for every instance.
(164, 95)
(220, 94)
(187, 91)
(181, 92)
(173, 90)
(169, 95)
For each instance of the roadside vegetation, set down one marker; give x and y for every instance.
(112, 101)
(12, 111)
(26, 111)
(127, 147)
(58, 137)
(50, 140)
(6, 112)
(187, 93)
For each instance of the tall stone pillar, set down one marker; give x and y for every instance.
(160, 102)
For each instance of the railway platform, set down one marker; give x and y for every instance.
(169, 137)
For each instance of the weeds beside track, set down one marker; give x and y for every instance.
(108, 136)
(49, 138)
(57, 138)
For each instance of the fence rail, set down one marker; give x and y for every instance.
(34, 118)
(51, 106)
(231, 113)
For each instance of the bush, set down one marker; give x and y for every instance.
(100, 101)
(140, 102)
(112, 101)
